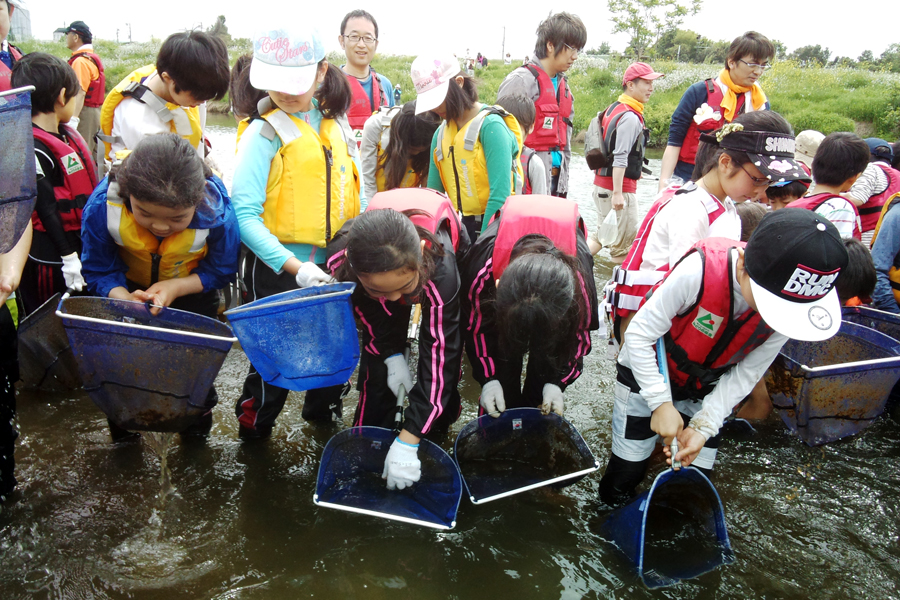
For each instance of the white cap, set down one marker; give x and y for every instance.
(431, 75)
(285, 60)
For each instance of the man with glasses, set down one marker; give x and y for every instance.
(559, 39)
(709, 104)
(371, 91)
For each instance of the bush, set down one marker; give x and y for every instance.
(826, 122)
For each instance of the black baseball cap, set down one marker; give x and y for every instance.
(81, 28)
(770, 151)
(794, 258)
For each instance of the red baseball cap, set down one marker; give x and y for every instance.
(640, 70)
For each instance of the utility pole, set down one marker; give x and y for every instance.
(503, 46)
(117, 35)
(678, 58)
(129, 32)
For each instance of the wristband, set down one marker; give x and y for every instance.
(407, 445)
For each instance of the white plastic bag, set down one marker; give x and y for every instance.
(608, 229)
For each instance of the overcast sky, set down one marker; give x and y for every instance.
(402, 30)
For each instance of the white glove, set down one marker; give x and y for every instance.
(398, 373)
(72, 272)
(553, 399)
(402, 467)
(73, 122)
(309, 274)
(492, 398)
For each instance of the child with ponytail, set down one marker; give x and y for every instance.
(402, 251)
(296, 183)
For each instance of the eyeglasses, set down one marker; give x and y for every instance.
(575, 50)
(755, 65)
(757, 181)
(368, 40)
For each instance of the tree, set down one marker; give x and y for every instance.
(780, 49)
(602, 50)
(646, 20)
(812, 55)
(220, 30)
(890, 58)
(866, 57)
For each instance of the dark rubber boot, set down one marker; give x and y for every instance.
(620, 480)
(121, 435)
(259, 433)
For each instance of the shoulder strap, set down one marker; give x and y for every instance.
(143, 94)
(475, 125)
(439, 149)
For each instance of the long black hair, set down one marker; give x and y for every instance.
(408, 131)
(540, 302)
(761, 120)
(384, 240)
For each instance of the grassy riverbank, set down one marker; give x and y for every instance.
(827, 99)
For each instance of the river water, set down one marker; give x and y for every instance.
(86, 521)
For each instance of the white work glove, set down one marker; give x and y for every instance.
(309, 274)
(553, 399)
(398, 373)
(402, 467)
(72, 272)
(73, 122)
(492, 398)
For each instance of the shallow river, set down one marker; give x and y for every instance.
(85, 523)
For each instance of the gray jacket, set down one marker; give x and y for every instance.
(522, 81)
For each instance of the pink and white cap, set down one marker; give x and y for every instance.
(431, 75)
(285, 60)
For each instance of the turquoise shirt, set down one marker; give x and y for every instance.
(248, 195)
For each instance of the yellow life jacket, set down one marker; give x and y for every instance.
(182, 120)
(463, 166)
(387, 114)
(150, 259)
(410, 180)
(894, 271)
(313, 186)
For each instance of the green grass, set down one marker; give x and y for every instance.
(826, 99)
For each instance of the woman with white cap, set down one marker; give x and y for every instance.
(474, 153)
(296, 182)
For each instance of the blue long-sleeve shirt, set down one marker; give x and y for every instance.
(103, 268)
(693, 98)
(884, 252)
(248, 187)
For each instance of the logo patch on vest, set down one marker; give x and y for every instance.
(71, 163)
(809, 284)
(707, 323)
(548, 122)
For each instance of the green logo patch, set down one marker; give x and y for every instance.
(707, 323)
(71, 163)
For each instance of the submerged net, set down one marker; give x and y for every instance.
(519, 450)
(350, 479)
(18, 188)
(45, 357)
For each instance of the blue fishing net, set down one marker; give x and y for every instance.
(45, 356)
(674, 531)
(18, 188)
(520, 450)
(145, 372)
(350, 479)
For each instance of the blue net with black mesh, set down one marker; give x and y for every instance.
(520, 450)
(18, 187)
(350, 479)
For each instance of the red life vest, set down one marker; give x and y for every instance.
(79, 176)
(871, 210)
(816, 200)
(97, 89)
(631, 283)
(633, 170)
(362, 106)
(708, 341)
(714, 97)
(553, 112)
(6, 72)
(556, 218)
(525, 157)
(437, 205)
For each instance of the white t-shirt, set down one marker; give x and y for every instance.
(133, 121)
(683, 222)
(675, 296)
(841, 214)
